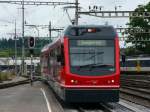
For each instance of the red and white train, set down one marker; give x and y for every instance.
(83, 64)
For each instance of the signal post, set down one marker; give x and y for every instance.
(31, 45)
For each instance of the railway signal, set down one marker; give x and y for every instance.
(31, 42)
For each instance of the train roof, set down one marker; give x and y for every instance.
(137, 58)
(90, 26)
(47, 46)
(101, 31)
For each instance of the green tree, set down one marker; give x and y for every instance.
(7, 46)
(143, 24)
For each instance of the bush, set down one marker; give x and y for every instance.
(0, 75)
(4, 76)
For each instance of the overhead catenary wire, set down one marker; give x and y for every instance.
(68, 16)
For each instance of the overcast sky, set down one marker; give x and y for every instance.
(40, 15)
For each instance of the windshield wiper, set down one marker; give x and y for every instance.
(84, 66)
(101, 65)
(98, 53)
(96, 65)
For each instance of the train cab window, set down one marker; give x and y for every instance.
(92, 57)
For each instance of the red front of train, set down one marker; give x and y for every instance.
(86, 68)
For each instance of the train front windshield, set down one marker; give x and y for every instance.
(92, 57)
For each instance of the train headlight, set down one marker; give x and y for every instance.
(73, 81)
(112, 81)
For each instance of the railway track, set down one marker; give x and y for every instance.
(139, 76)
(136, 81)
(100, 107)
(140, 90)
(137, 95)
(90, 108)
(105, 107)
(135, 88)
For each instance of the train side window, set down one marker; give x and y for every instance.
(62, 54)
(45, 64)
(49, 58)
(58, 54)
(145, 63)
(62, 50)
(52, 53)
(132, 63)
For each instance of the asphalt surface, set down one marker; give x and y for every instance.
(40, 98)
(27, 98)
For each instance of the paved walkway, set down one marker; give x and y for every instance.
(16, 79)
(13, 82)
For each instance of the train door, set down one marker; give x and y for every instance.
(57, 65)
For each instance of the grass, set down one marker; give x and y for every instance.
(5, 76)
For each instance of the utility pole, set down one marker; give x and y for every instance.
(31, 69)
(76, 12)
(15, 50)
(50, 33)
(23, 46)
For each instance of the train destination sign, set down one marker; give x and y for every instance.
(91, 42)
